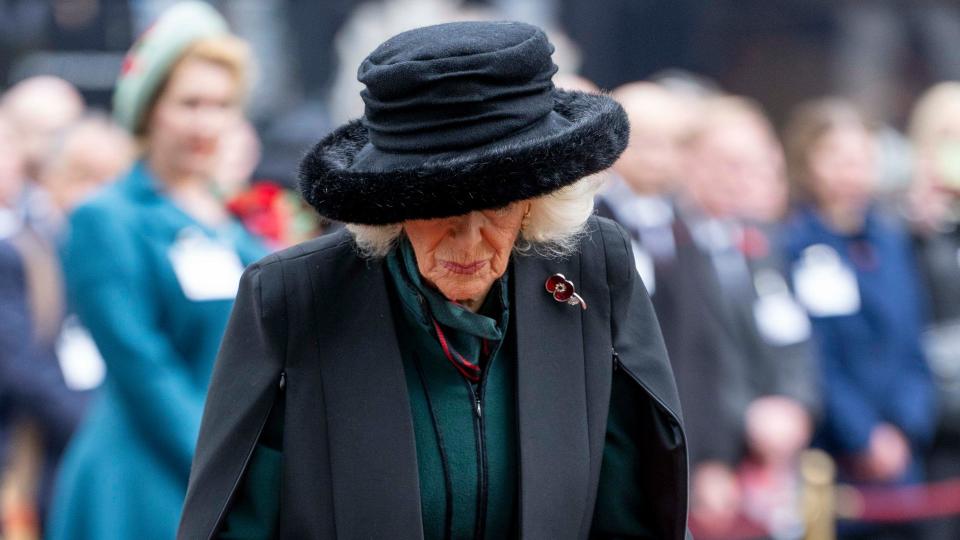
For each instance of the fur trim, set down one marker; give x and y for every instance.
(471, 180)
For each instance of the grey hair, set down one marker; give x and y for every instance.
(553, 228)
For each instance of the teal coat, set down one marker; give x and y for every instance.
(125, 473)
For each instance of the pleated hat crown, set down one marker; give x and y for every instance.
(459, 117)
(456, 86)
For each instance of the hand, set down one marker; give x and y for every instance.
(777, 429)
(888, 454)
(716, 497)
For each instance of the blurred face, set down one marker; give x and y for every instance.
(842, 166)
(39, 110)
(199, 103)
(765, 191)
(727, 165)
(11, 165)
(653, 159)
(651, 162)
(238, 158)
(91, 158)
(936, 183)
(462, 256)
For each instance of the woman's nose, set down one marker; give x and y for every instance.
(467, 228)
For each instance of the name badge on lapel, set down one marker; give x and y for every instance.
(80, 361)
(645, 267)
(825, 285)
(206, 268)
(780, 320)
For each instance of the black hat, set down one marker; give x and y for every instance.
(459, 117)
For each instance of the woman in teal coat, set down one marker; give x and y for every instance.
(152, 266)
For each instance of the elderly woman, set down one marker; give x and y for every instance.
(152, 265)
(475, 357)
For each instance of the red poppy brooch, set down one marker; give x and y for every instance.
(563, 291)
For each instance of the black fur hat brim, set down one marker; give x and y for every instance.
(381, 188)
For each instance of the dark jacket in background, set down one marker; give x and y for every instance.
(707, 376)
(721, 359)
(872, 365)
(32, 387)
(736, 258)
(938, 259)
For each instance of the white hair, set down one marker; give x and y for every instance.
(552, 229)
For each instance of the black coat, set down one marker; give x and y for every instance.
(313, 326)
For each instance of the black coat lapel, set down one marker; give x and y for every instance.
(372, 448)
(552, 408)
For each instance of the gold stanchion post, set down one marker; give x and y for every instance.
(818, 473)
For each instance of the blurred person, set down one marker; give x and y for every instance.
(40, 107)
(645, 177)
(12, 177)
(933, 210)
(854, 272)
(19, 476)
(274, 213)
(39, 403)
(83, 158)
(152, 265)
(733, 191)
(238, 154)
(640, 196)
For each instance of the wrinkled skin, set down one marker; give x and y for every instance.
(462, 256)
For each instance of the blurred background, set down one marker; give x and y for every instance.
(791, 187)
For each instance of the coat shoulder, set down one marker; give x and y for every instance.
(330, 246)
(614, 245)
(283, 277)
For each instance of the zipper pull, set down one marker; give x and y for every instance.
(616, 360)
(283, 380)
(479, 410)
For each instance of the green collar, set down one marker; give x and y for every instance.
(466, 331)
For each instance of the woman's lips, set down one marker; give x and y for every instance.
(458, 268)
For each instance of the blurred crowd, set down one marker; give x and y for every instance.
(806, 299)
(801, 304)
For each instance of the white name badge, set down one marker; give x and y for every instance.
(824, 284)
(80, 361)
(780, 319)
(205, 268)
(644, 264)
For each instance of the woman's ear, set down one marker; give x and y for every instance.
(526, 215)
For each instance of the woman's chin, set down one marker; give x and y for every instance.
(461, 292)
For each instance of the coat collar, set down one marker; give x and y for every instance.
(372, 449)
(551, 402)
(368, 408)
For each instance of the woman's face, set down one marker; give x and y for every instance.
(463, 255)
(198, 105)
(843, 167)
